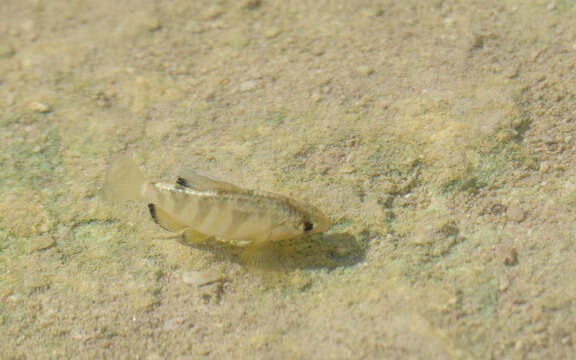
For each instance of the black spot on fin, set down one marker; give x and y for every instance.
(152, 209)
(182, 182)
(164, 219)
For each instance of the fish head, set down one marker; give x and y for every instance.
(311, 220)
(314, 222)
(304, 224)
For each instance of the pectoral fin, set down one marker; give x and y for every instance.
(164, 219)
(184, 235)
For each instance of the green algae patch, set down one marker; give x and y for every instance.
(100, 241)
(23, 215)
(471, 143)
(484, 168)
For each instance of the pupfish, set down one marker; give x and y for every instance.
(198, 207)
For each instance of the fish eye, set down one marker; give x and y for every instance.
(308, 226)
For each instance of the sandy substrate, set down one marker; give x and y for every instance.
(438, 135)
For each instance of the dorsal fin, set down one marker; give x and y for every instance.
(182, 182)
(196, 181)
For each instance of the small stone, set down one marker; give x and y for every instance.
(154, 356)
(510, 257)
(365, 70)
(5, 293)
(213, 12)
(315, 97)
(545, 166)
(195, 27)
(200, 278)
(317, 51)
(375, 11)
(252, 4)
(42, 242)
(271, 32)
(512, 71)
(235, 39)
(247, 85)
(139, 23)
(145, 22)
(39, 107)
(515, 213)
(346, 169)
(174, 323)
(6, 51)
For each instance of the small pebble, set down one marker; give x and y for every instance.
(39, 107)
(174, 323)
(375, 11)
(365, 70)
(346, 169)
(271, 32)
(200, 278)
(515, 213)
(213, 12)
(6, 51)
(252, 4)
(195, 27)
(510, 257)
(247, 85)
(42, 242)
(141, 22)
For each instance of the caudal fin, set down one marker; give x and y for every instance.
(124, 180)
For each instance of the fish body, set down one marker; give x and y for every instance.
(202, 207)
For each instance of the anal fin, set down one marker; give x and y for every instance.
(191, 236)
(185, 235)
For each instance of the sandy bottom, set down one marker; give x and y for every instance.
(439, 136)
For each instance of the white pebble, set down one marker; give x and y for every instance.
(247, 85)
(39, 107)
(200, 278)
(173, 324)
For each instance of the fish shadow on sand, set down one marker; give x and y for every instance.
(315, 252)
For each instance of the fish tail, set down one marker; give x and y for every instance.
(124, 180)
